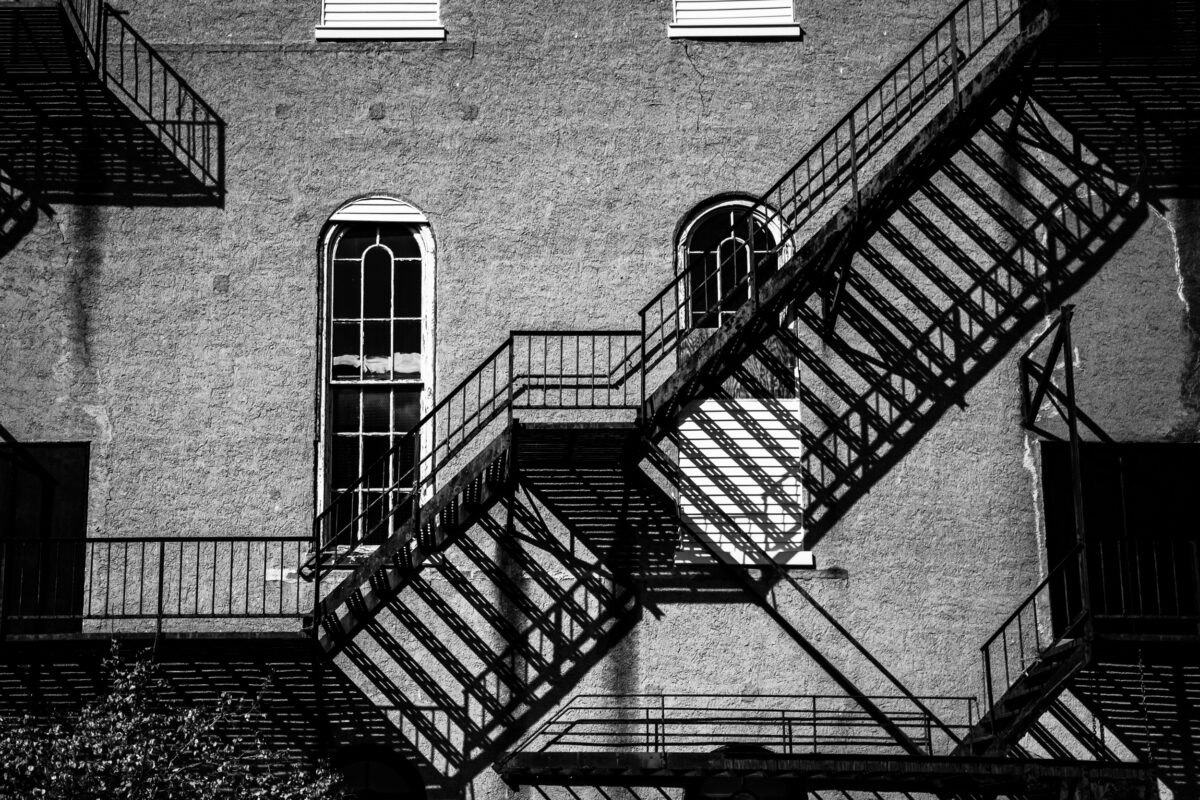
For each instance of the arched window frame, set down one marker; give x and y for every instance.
(776, 526)
(376, 209)
(711, 211)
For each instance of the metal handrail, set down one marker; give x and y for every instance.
(1014, 626)
(153, 578)
(947, 325)
(663, 722)
(813, 183)
(517, 374)
(130, 66)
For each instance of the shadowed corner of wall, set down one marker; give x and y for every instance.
(1124, 78)
(1151, 707)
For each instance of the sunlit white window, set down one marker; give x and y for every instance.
(380, 19)
(734, 19)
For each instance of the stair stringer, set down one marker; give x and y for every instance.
(485, 633)
(1025, 701)
(813, 262)
(765, 596)
(452, 510)
(916, 374)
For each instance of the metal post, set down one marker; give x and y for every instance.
(1076, 471)
(512, 379)
(854, 165)
(416, 490)
(642, 368)
(954, 59)
(161, 569)
(752, 260)
(987, 682)
(316, 544)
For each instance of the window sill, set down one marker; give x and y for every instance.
(774, 31)
(340, 32)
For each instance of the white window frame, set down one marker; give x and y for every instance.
(379, 209)
(733, 19)
(772, 515)
(347, 19)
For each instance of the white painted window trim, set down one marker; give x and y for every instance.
(378, 209)
(777, 528)
(725, 21)
(329, 30)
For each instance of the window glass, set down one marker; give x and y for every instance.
(374, 376)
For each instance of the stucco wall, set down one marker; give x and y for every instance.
(554, 147)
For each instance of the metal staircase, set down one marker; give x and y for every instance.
(910, 260)
(94, 114)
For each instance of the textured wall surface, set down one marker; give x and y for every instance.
(554, 147)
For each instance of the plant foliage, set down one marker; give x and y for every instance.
(132, 744)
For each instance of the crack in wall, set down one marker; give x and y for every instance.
(700, 79)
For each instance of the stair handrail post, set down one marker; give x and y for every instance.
(752, 261)
(162, 566)
(854, 164)
(416, 490)
(954, 58)
(512, 378)
(102, 13)
(1065, 314)
(988, 685)
(316, 582)
(642, 367)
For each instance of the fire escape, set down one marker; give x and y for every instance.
(943, 218)
(94, 115)
(893, 299)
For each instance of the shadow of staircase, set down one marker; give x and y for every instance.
(875, 324)
(18, 211)
(1153, 707)
(487, 635)
(936, 284)
(69, 133)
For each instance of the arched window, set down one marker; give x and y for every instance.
(742, 448)
(376, 353)
(716, 247)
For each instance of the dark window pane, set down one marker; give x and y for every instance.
(344, 354)
(407, 356)
(347, 290)
(734, 273)
(709, 234)
(345, 461)
(407, 409)
(377, 349)
(401, 240)
(345, 410)
(374, 448)
(377, 506)
(376, 409)
(377, 283)
(404, 460)
(702, 287)
(354, 240)
(408, 289)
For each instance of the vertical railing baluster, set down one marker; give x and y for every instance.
(162, 560)
(954, 60)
